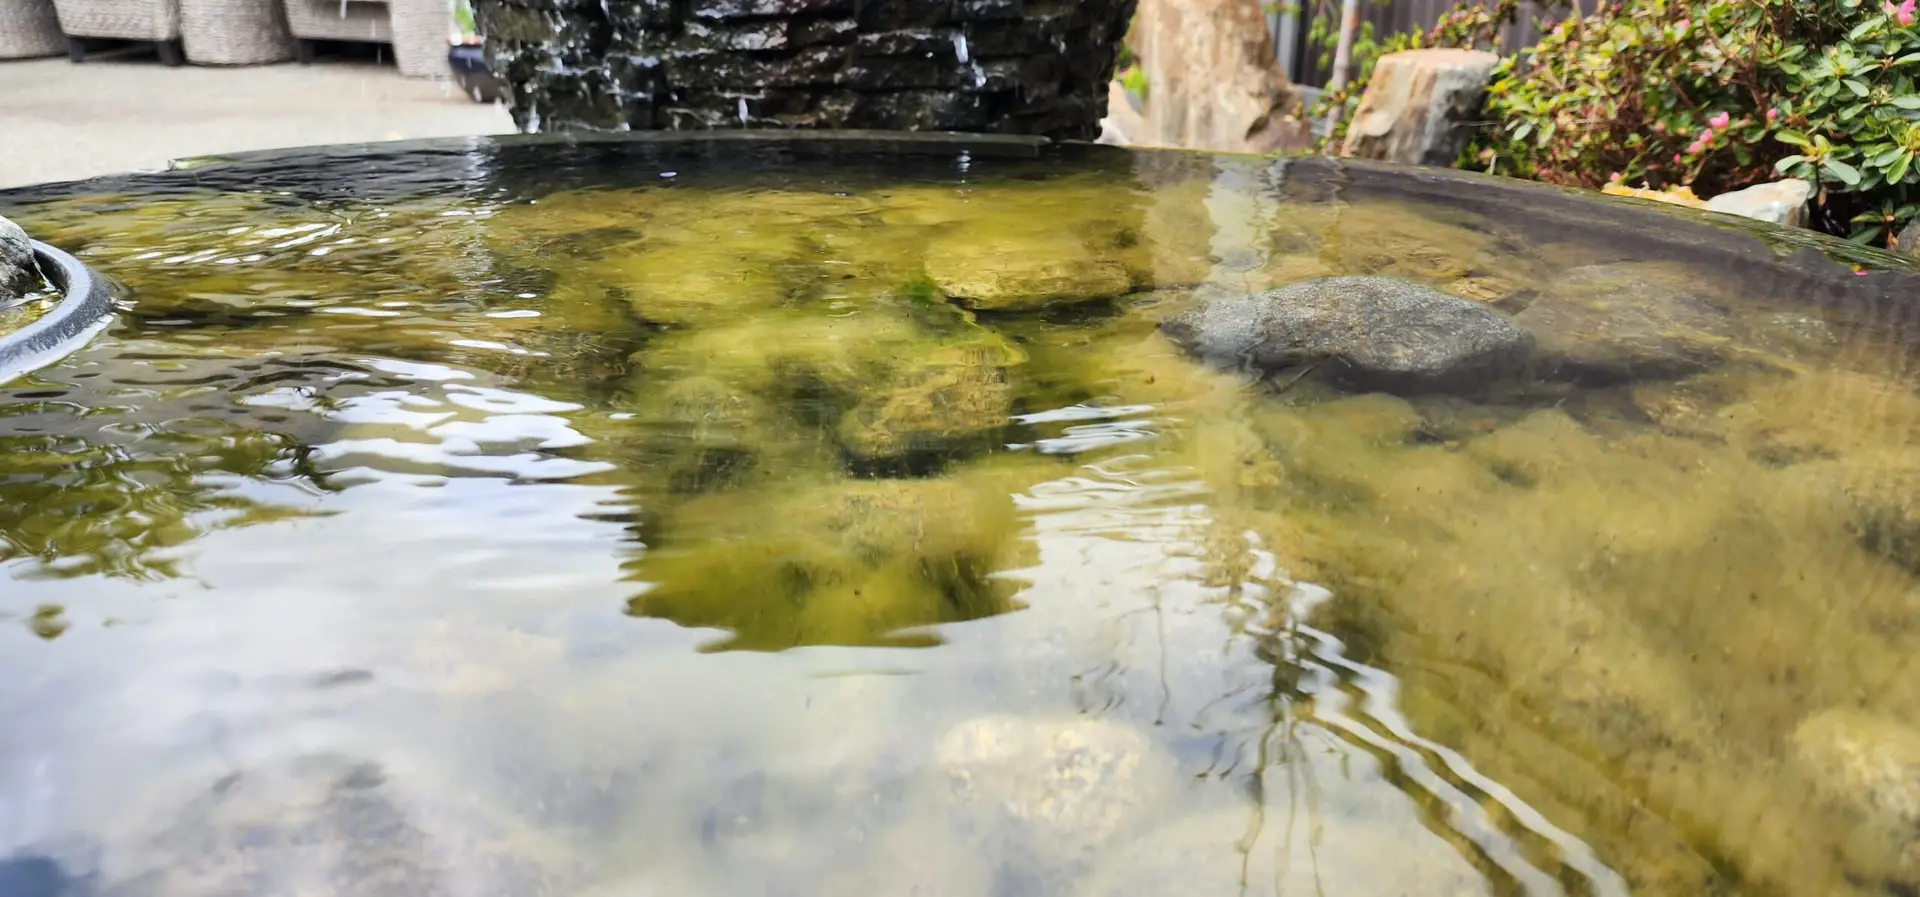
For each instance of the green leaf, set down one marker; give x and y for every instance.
(1898, 171)
(1910, 57)
(1844, 173)
(1859, 89)
(1792, 137)
(1906, 102)
(1520, 133)
(1789, 162)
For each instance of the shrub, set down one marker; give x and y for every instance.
(1721, 94)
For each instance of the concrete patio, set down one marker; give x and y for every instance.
(62, 121)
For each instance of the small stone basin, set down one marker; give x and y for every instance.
(773, 514)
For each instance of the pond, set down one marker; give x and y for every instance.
(792, 517)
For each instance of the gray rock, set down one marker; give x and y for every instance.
(1781, 202)
(19, 275)
(1370, 332)
(1605, 324)
(1909, 239)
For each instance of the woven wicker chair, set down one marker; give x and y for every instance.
(157, 21)
(417, 29)
(234, 32)
(29, 28)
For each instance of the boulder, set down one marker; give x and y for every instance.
(19, 275)
(1417, 104)
(1605, 324)
(1369, 332)
(1781, 202)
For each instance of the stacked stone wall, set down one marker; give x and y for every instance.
(1036, 67)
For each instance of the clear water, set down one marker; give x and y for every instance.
(645, 521)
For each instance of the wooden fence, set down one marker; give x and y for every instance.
(1303, 60)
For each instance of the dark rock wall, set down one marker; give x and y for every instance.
(1006, 66)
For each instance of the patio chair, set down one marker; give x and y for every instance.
(417, 29)
(154, 21)
(234, 32)
(29, 28)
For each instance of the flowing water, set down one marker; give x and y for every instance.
(635, 519)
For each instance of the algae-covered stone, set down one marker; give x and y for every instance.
(1056, 786)
(1871, 765)
(1372, 332)
(997, 272)
(931, 405)
(1604, 324)
(878, 382)
(1881, 496)
(849, 562)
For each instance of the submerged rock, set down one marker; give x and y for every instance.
(1056, 786)
(19, 275)
(1605, 324)
(1871, 765)
(1022, 271)
(845, 562)
(936, 406)
(1370, 332)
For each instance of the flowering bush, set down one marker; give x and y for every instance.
(1720, 94)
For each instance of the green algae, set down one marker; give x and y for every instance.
(1675, 619)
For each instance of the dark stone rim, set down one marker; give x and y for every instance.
(86, 307)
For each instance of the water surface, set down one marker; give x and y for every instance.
(637, 519)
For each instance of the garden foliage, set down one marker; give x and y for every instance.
(1713, 94)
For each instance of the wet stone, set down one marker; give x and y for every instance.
(19, 275)
(1605, 324)
(1004, 66)
(1369, 332)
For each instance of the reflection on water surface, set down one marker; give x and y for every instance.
(627, 519)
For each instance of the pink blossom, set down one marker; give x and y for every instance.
(1676, 159)
(1720, 120)
(1903, 13)
(1681, 29)
(1772, 114)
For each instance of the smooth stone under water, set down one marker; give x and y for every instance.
(614, 518)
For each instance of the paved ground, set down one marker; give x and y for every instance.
(60, 121)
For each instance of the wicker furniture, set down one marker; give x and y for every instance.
(156, 21)
(417, 29)
(234, 32)
(29, 28)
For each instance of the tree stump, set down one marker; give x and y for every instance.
(1417, 106)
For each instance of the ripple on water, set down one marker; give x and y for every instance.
(514, 529)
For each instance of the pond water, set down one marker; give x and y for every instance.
(626, 519)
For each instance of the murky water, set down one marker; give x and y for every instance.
(643, 520)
